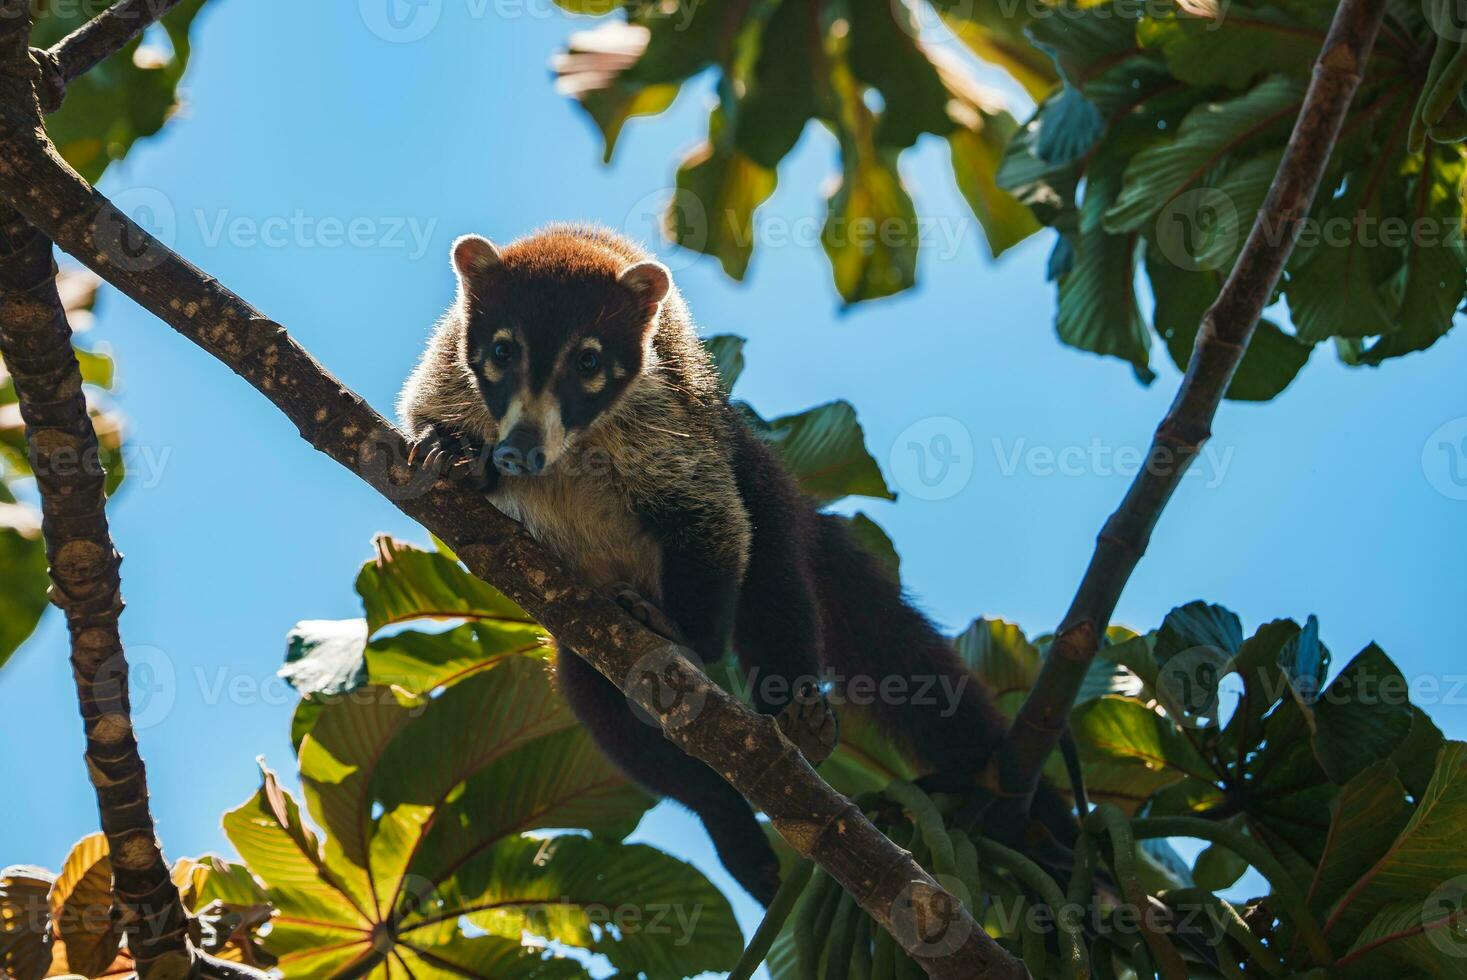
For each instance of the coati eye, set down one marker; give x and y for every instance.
(588, 362)
(502, 352)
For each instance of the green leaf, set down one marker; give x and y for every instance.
(1218, 868)
(1257, 664)
(824, 449)
(1198, 624)
(727, 351)
(25, 922)
(424, 802)
(576, 889)
(81, 906)
(884, 54)
(994, 31)
(271, 836)
(779, 94)
(1427, 852)
(481, 956)
(1098, 311)
(1208, 135)
(1415, 757)
(871, 537)
(125, 98)
(1003, 658)
(1273, 358)
(977, 155)
(1237, 47)
(1363, 715)
(1336, 274)
(1430, 283)
(1124, 732)
(1366, 815)
(870, 233)
(405, 583)
(620, 70)
(23, 571)
(718, 190)
(1425, 940)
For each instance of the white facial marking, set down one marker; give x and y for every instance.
(542, 411)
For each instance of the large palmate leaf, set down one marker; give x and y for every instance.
(423, 806)
(332, 658)
(81, 906)
(1423, 855)
(824, 449)
(1235, 48)
(1208, 135)
(25, 934)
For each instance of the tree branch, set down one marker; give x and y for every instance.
(704, 720)
(1226, 329)
(93, 43)
(35, 342)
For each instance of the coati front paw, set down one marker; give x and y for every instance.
(441, 451)
(647, 614)
(810, 723)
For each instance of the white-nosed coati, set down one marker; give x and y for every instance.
(569, 361)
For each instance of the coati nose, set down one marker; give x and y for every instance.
(520, 452)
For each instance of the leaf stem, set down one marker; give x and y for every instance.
(779, 910)
(1289, 894)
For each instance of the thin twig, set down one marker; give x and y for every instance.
(1226, 329)
(703, 719)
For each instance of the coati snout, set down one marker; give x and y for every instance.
(520, 453)
(552, 342)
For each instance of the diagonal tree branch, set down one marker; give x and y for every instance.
(93, 43)
(696, 714)
(35, 341)
(1226, 329)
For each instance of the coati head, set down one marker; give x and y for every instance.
(556, 331)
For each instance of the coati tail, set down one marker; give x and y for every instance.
(884, 651)
(921, 695)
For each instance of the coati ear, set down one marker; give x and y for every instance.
(474, 255)
(649, 282)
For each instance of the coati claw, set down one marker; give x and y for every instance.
(647, 614)
(442, 452)
(810, 723)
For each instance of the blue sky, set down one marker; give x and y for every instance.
(1334, 499)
